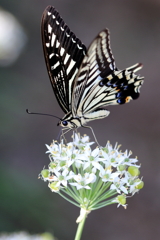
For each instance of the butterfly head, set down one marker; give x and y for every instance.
(68, 121)
(67, 124)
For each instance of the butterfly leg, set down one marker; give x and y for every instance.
(63, 133)
(93, 135)
(59, 135)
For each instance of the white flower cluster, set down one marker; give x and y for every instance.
(76, 166)
(26, 236)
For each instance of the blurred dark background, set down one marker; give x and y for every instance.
(26, 203)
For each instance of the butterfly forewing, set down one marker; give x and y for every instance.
(64, 53)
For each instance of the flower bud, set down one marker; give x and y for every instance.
(62, 163)
(53, 186)
(140, 185)
(121, 167)
(121, 199)
(45, 173)
(52, 165)
(134, 171)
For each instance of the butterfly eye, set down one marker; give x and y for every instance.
(65, 123)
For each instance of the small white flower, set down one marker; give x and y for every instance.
(125, 160)
(81, 141)
(53, 148)
(62, 178)
(110, 156)
(54, 186)
(92, 159)
(107, 175)
(78, 161)
(118, 185)
(82, 182)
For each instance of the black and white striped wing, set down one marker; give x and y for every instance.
(64, 53)
(97, 64)
(99, 83)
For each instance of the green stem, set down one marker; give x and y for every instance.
(106, 203)
(69, 200)
(80, 228)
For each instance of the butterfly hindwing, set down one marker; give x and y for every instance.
(97, 64)
(64, 53)
(100, 83)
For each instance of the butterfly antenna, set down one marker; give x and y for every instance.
(45, 114)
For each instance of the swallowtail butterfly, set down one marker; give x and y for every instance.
(84, 81)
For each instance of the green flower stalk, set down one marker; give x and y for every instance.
(91, 179)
